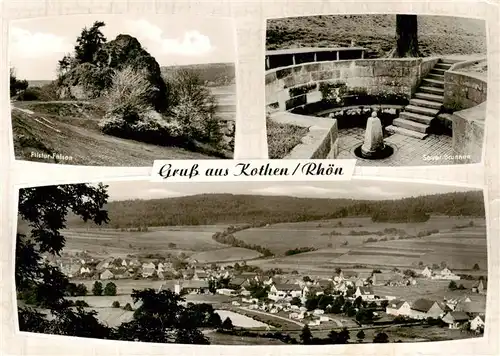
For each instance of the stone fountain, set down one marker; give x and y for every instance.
(373, 146)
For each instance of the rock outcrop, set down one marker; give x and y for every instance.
(89, 80)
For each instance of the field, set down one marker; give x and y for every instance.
(187, 239)
(459, 248)
(436, 34)
(240, 320)
(339, 242)
(226, 255)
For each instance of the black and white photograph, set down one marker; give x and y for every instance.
(260, 263)
(387, 90)
(122, 90)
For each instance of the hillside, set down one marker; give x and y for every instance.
(70, 129)
(437, 34)
(216, 74)
(211, 209)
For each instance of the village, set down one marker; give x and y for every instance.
(348, 298)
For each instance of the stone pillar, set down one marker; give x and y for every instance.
(362, 54)
(338, 55)
(293, 59)
(315, 56)
(268, 65)
(374, 137)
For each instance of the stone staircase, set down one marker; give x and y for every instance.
(415, 119)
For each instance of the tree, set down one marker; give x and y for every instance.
(227, 324)
(384, 303)
(45, 210)
(381, 338)
(476, 267)
(360, 335)
(410, 273)
(116, 304)
(110, 289)
(16, 85)
(80, 290)
(452, 285)
(89, 43)
(306, 335)
(161, 318)
(97, 288)
(127, 307)
(296, 301)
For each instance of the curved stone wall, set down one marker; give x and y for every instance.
(465, 94)
(340, 83)
(463, 90)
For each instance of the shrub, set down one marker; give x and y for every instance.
(129, 94)
(81, 303)
(127, 307)
(282, 138)
(97, 288)
(116, 304)
(193, 107)
(110, 289)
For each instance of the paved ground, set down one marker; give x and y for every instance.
(408, 151)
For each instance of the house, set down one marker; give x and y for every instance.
(477, 324)
(473, 305)
(106, 275)
(85, 270)
(446, 274)
(195, 287)
(424, 308)
(398, 307)
(455, 319)
(427, 272)
(480, 286)
(366, 293)
(148, 269)
(281, 291)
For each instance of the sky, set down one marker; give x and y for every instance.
(35, 45)
(356, 189)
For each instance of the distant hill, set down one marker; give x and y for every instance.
(437, 34)
(209, 209)
(216, 74)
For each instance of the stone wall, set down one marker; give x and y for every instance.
(468, 133)
(384, 79)
(463, 90)
(320, 142)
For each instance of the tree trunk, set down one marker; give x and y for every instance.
(406, 36)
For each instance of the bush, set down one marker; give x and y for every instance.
(97, 288)
(127, 307)
(81, 303)
(110, 289)
(116, 304)
(282, 138)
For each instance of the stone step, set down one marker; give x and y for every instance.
(439, 77)
(433, 83)
(399, 130)
(449, 61)
(422, 119)
(442, 66)
(410, 125)
(422, 110)
(431, 90)
(430, 97)
(437, 71)
(426, 103)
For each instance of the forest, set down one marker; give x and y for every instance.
(210, 209)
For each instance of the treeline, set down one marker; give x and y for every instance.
(298, 250)
(226, 237)
(210, 209)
